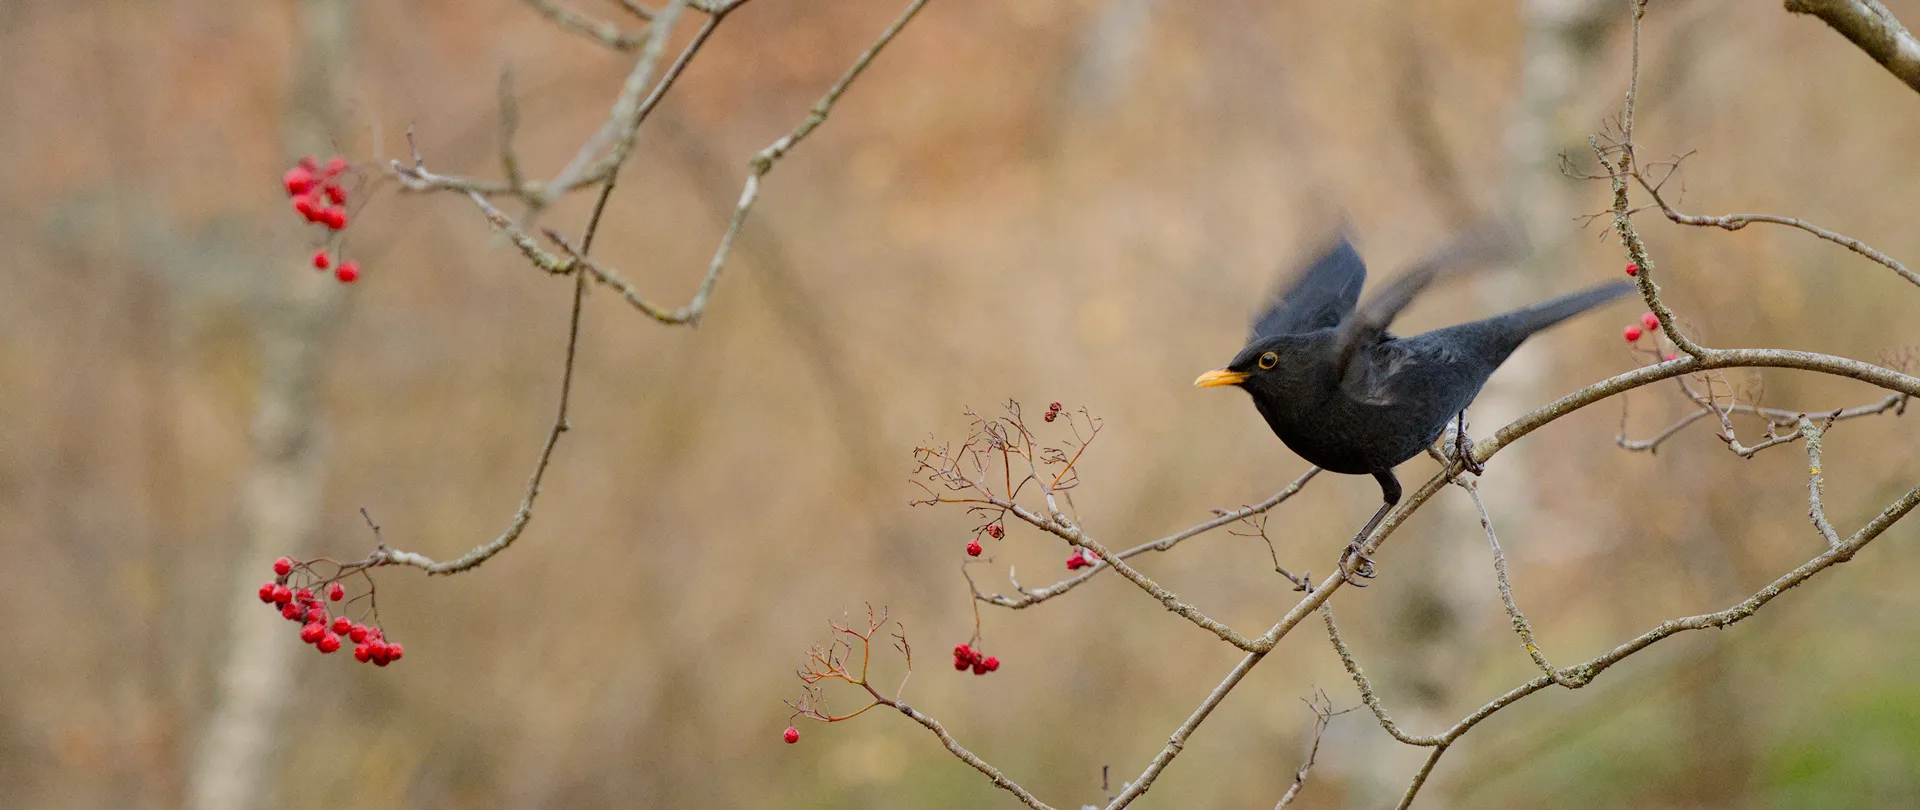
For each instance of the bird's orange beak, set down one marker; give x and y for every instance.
(1219, 377)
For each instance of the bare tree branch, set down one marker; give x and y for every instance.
(1871, 28)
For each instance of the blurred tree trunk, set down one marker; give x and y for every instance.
(281, 498)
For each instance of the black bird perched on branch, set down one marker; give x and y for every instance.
(1350, 398)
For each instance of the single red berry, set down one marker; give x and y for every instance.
(1051, 415)
(335, 194)
(328, 644)
(1650, 321)
(321, 260)
(791, 735)
(309, 163)
(342, 626)
(961, 664)
(334, 218)
(1670, 357)
(347, 272)
(304, 595)
(298, 180)
(358, 633)
(962, 650)
(1632, 334)
(379, 653)
(336, 165)
(336, 592)
(307, 207)
(1633, 269)
(283, 566)
(312, 632)
(979, 668)
(266, 593)
(394, 651)
(992, 663)
(292, 612)
(1054, 406)
(362, 653)
(282, 594)
(994, 531)
(317, 614)
(973, 548)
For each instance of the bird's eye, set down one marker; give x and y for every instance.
(1269, 360)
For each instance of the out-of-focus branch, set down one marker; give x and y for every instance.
(524, 515)
(1871, 28)
(1521, 627)
(1323, 714)
(606, 33)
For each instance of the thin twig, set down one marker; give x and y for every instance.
(605, 33)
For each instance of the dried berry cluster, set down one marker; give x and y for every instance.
(966, 657)
(317, 627)
(1053, 411)
(993, 530)
(320, 199)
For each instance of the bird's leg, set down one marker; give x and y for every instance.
(1362, 564)
(1463, 446)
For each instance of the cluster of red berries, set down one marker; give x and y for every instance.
(1079, 559)
(964, 658)
(993, 530)
(320, 199)
(304, 607)
(1053, 411)
(1648, 320)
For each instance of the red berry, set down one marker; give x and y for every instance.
(336, 592)
(321, 260)
(334, 218)
(312, 632)
(307, 207)
(266, 593)
(328, 644)
(994, 531)
(1670, 357)
(283, 566)
(381, 656)
(342, 626)
(347, 272)
(1650, 321)
(292, 613)
(962, 650)
(1054, 406)
(1077, 561)
(317, 614)
(992, 663)
(973, 548)
(358, 633)
(297, 180)
(1633, 269)
(394, 651)
(335, 194)
(1051, 415)
(791, 735)
(309, 163)
(362, 653)
(336, 165)
(979, 668)
(1632, 334)
(961, 664)
(282, 594)
(304, 595)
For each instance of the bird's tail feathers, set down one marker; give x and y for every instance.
(1547, 313)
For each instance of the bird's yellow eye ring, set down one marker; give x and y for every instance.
(1269, 360)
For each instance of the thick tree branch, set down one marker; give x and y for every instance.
(1871, 28)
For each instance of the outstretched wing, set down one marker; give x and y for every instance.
(1319, 297)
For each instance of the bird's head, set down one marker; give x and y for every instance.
(1262, 365)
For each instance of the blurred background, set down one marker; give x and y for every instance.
(1079, 201)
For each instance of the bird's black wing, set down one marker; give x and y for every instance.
(1319, 297)
(1367, 325)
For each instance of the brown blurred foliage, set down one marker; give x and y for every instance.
(1032, 200)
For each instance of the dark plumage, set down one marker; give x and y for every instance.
(1350, 398)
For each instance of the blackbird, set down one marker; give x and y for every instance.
(1350, 398)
